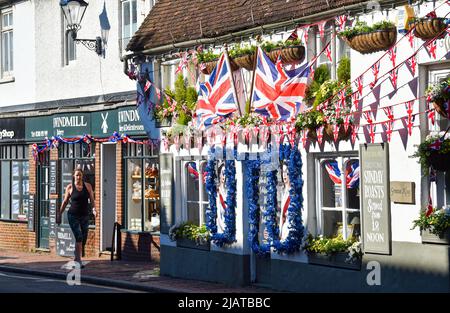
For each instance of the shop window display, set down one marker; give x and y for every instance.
(142, 188)
(14, 171)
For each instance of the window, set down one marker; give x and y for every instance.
(71, 157)
(142, 187)
(339, 206)
(129, 21)
(340, 48)
(70, 50)
(14, 191)
(6, 44)
(195, 195)
(440, 189)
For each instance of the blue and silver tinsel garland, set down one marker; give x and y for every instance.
(229, 234)
(253, 171)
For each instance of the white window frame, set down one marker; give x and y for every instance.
(125, 38)
(6, 73)
(342, 162)
(201, 201)
(336, 45)
(438, 190)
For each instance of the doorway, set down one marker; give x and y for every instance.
(108, 191)
(43, 191)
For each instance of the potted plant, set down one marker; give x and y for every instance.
(368, 39)
(434, 152)
(335, 251)
(428, 27)
(434, 225)
(290, 50)
(180, 106)
(244, 57)
(189, 235)
(439, 95)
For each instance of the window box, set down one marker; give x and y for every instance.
(191, 244)
(428, 237)
(334, 260)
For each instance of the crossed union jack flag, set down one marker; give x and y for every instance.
(217, 98)
(278, 93)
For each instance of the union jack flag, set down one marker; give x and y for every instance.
(351, 173)
(340, 21)
(277, 93)
(437, 144)
(375, 71)
(194, 173)
(217, 98)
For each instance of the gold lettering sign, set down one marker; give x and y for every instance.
(403, 192)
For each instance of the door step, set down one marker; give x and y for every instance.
(42, 250)
(106, 252)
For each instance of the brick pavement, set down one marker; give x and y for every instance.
(142, 275)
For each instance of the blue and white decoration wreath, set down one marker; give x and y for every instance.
(229, 234)
(294, 212)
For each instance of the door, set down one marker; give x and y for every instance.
(43, 179)
(108, 212)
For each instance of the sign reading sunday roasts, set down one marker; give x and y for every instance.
(375, 198)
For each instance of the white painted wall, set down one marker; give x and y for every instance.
(39, 69)
(23, 88)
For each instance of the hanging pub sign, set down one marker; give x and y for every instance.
(30, 213)
(375, 198)
(52, 217)
(12, 129)
(166, 189)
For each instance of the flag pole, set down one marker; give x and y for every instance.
(232, 79)
(253, 79)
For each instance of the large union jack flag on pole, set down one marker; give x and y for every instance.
(217, 98)
(277, 93)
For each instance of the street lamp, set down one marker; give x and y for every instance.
(74, 12)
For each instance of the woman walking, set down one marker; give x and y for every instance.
(78, 193)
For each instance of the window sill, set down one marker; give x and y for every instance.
(428, 237)
(13, 221)
(7, 80)
(334, 260)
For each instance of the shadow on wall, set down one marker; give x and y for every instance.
(139, 246)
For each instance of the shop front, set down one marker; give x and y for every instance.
(15, 184)
(117, 159)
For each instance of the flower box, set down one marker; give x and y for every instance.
(334, 260)
(371, 42)
(428, 237)
(428, 28)
(191, 244)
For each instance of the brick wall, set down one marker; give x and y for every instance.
(14, 236)
(139, 247)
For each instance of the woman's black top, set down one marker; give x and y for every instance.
(79, 201)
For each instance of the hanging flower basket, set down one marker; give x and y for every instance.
(328, 133)
(428, 28)
(288, 54)
(439, 95)
(208, 67)
(246, 61)
(440, 161)
(374, 41)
